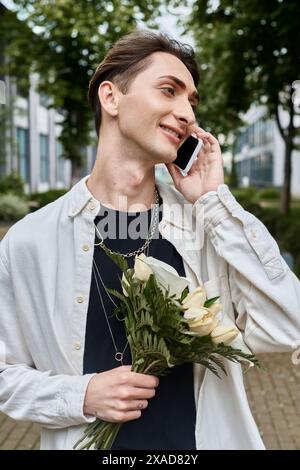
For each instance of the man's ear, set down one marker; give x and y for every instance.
(108, 96)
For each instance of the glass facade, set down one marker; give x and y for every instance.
(260, 133)
(60, 162)
(258, 169)
(44, 158)
(23, 153)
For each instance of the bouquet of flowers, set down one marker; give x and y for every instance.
(166, 326)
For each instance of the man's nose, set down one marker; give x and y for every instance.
(185, 114)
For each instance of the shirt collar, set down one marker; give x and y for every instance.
(80, 198)
(175, 210)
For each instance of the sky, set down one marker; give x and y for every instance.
(167, 21)
(168, 24)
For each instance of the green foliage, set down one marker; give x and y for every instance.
(118, 259)
(42, 199)
(290, 238)
(70, 39)
(233, 179)
(271, 194)
(248, 52)
(297, 265)
(12, 183)
(12, 207)
(245, 194)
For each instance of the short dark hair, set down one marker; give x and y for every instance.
(130, 56)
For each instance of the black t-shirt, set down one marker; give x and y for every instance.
(169, 420)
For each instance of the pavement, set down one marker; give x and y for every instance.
(274, 397)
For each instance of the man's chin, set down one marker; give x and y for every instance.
(169, 158)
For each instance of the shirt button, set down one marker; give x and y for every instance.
(77, 345)
(253, 234)
(74, 210)
(85, 247)
(92, 206)
(80, 299)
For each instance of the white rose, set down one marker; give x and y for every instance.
(216, 307)
(195, 298)
(166, 276)
(201, 320)
(224, 334)
(125, 282)
(141, 270)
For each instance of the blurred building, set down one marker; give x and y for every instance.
(30, 143)
(259, 152)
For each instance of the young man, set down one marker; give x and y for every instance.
(64, 356)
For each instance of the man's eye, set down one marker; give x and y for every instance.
(169, 90)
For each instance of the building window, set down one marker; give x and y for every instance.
(23, 153)
(258, 169)
(258, 134)
(44, 158)
(60, 163)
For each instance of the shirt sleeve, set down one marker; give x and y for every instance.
(265, 293)
(55, 401)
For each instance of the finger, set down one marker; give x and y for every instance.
(123, 416)
(136, 379)
(199, 131)
(137, 393)
(202, 134)
(213, 141)
(132, 405)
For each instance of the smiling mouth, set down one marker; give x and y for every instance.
(170, 131)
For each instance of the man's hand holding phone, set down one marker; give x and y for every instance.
(204, 166)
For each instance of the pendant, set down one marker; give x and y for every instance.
(119, 356)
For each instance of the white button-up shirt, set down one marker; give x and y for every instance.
(45, 276)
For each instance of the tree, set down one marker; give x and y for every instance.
(233, 178)
(249, 51)
(63, 41)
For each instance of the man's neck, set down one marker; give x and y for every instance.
(127, 186)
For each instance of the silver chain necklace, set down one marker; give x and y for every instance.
(118, 354)
(152, 230)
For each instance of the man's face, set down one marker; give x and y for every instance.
(156, 114)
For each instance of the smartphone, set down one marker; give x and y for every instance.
(188, 152)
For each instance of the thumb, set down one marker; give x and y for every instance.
(175, 173)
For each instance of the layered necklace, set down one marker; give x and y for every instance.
(151, 232)
(119, 352)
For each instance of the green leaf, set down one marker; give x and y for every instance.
(117, 258)
(211, 301)
(184, 294)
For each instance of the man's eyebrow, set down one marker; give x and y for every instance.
(181, 84)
